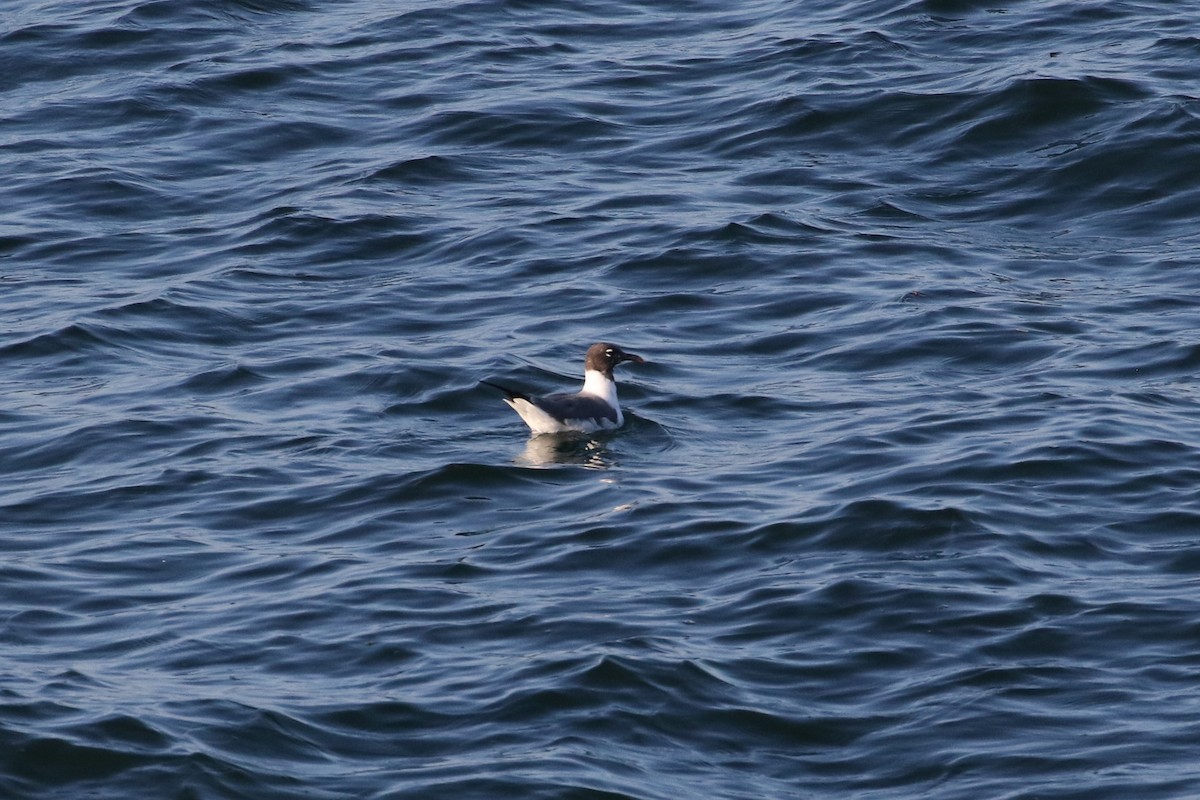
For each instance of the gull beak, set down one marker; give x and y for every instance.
(634, 358)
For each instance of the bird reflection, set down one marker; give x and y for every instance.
(548, 449)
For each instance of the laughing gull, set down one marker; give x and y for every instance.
(592, 408)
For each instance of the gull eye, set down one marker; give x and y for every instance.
(608, 352)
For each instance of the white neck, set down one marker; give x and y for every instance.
(595, 383)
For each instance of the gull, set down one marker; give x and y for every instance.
(592, 408)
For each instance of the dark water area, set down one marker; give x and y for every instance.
(906, 501)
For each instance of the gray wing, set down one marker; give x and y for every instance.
(576, 406)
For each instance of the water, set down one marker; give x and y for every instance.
(906, 503)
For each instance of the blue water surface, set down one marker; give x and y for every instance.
(905, 504)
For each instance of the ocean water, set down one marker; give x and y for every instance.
(906, 503)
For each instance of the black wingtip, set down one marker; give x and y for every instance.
(511, 394)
